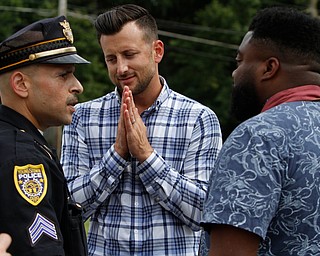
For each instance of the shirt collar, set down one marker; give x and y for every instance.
(17, 120)
(299, 93)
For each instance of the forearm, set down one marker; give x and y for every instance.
(92, 186)
(177, 193)
(179, 183)
(227, 240)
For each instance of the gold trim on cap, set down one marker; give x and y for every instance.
(34, 56)
(19, 62)
(41, 43)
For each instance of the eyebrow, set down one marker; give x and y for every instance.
(69, 68)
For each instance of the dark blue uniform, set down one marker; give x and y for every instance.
(33, 190)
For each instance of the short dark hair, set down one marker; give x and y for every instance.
(112, 21)
(288, 29)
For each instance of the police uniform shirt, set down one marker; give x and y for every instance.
(32, 189)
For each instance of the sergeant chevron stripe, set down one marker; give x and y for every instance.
(40, 226)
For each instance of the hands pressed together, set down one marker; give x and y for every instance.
(132, 133)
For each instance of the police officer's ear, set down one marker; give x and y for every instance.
(20, 83)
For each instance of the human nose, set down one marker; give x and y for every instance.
(77, 87)
(122, 66)
(233, 73)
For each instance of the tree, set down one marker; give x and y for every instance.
(201, 39)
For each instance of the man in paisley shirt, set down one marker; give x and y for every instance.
(264, 192)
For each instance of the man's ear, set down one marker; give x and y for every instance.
(271, 67)
(19, 83)
(158, 47)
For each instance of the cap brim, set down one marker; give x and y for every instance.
(67, 59)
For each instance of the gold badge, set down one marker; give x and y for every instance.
(67, 30)
(31, 182)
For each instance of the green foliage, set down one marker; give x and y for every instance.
(15, 14)
(203, 71)
(93, 76)
(197, 68)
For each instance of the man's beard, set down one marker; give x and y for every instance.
(141, 86)
(245, 103)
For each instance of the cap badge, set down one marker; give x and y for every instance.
(67, 30)
(31, 182)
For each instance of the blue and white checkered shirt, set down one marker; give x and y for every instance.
(152, 208)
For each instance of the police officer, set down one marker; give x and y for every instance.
(38, 89)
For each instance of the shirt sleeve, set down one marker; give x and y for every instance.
(89, 186)
(182, 192)
(246, 182)
(30, 186)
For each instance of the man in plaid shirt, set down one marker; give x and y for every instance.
(139, 158)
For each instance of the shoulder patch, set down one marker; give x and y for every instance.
(41, 226)
(31, 182)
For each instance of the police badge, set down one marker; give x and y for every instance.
(67, 30)
(31, 182)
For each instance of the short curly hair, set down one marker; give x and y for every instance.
(289, 30)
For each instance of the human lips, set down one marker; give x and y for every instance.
(71, 103)
(72, 108)
(126, 80)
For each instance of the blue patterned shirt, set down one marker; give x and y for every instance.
(267, 180)
(149, 208)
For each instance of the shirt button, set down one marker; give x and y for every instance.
(157, 199)
(136, 204)
(136, 231)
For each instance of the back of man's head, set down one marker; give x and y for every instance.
(289, 30)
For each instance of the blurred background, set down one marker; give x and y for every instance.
(200, 36)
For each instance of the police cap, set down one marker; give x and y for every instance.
(46, 41)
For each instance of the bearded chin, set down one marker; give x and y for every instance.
(244, 102)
